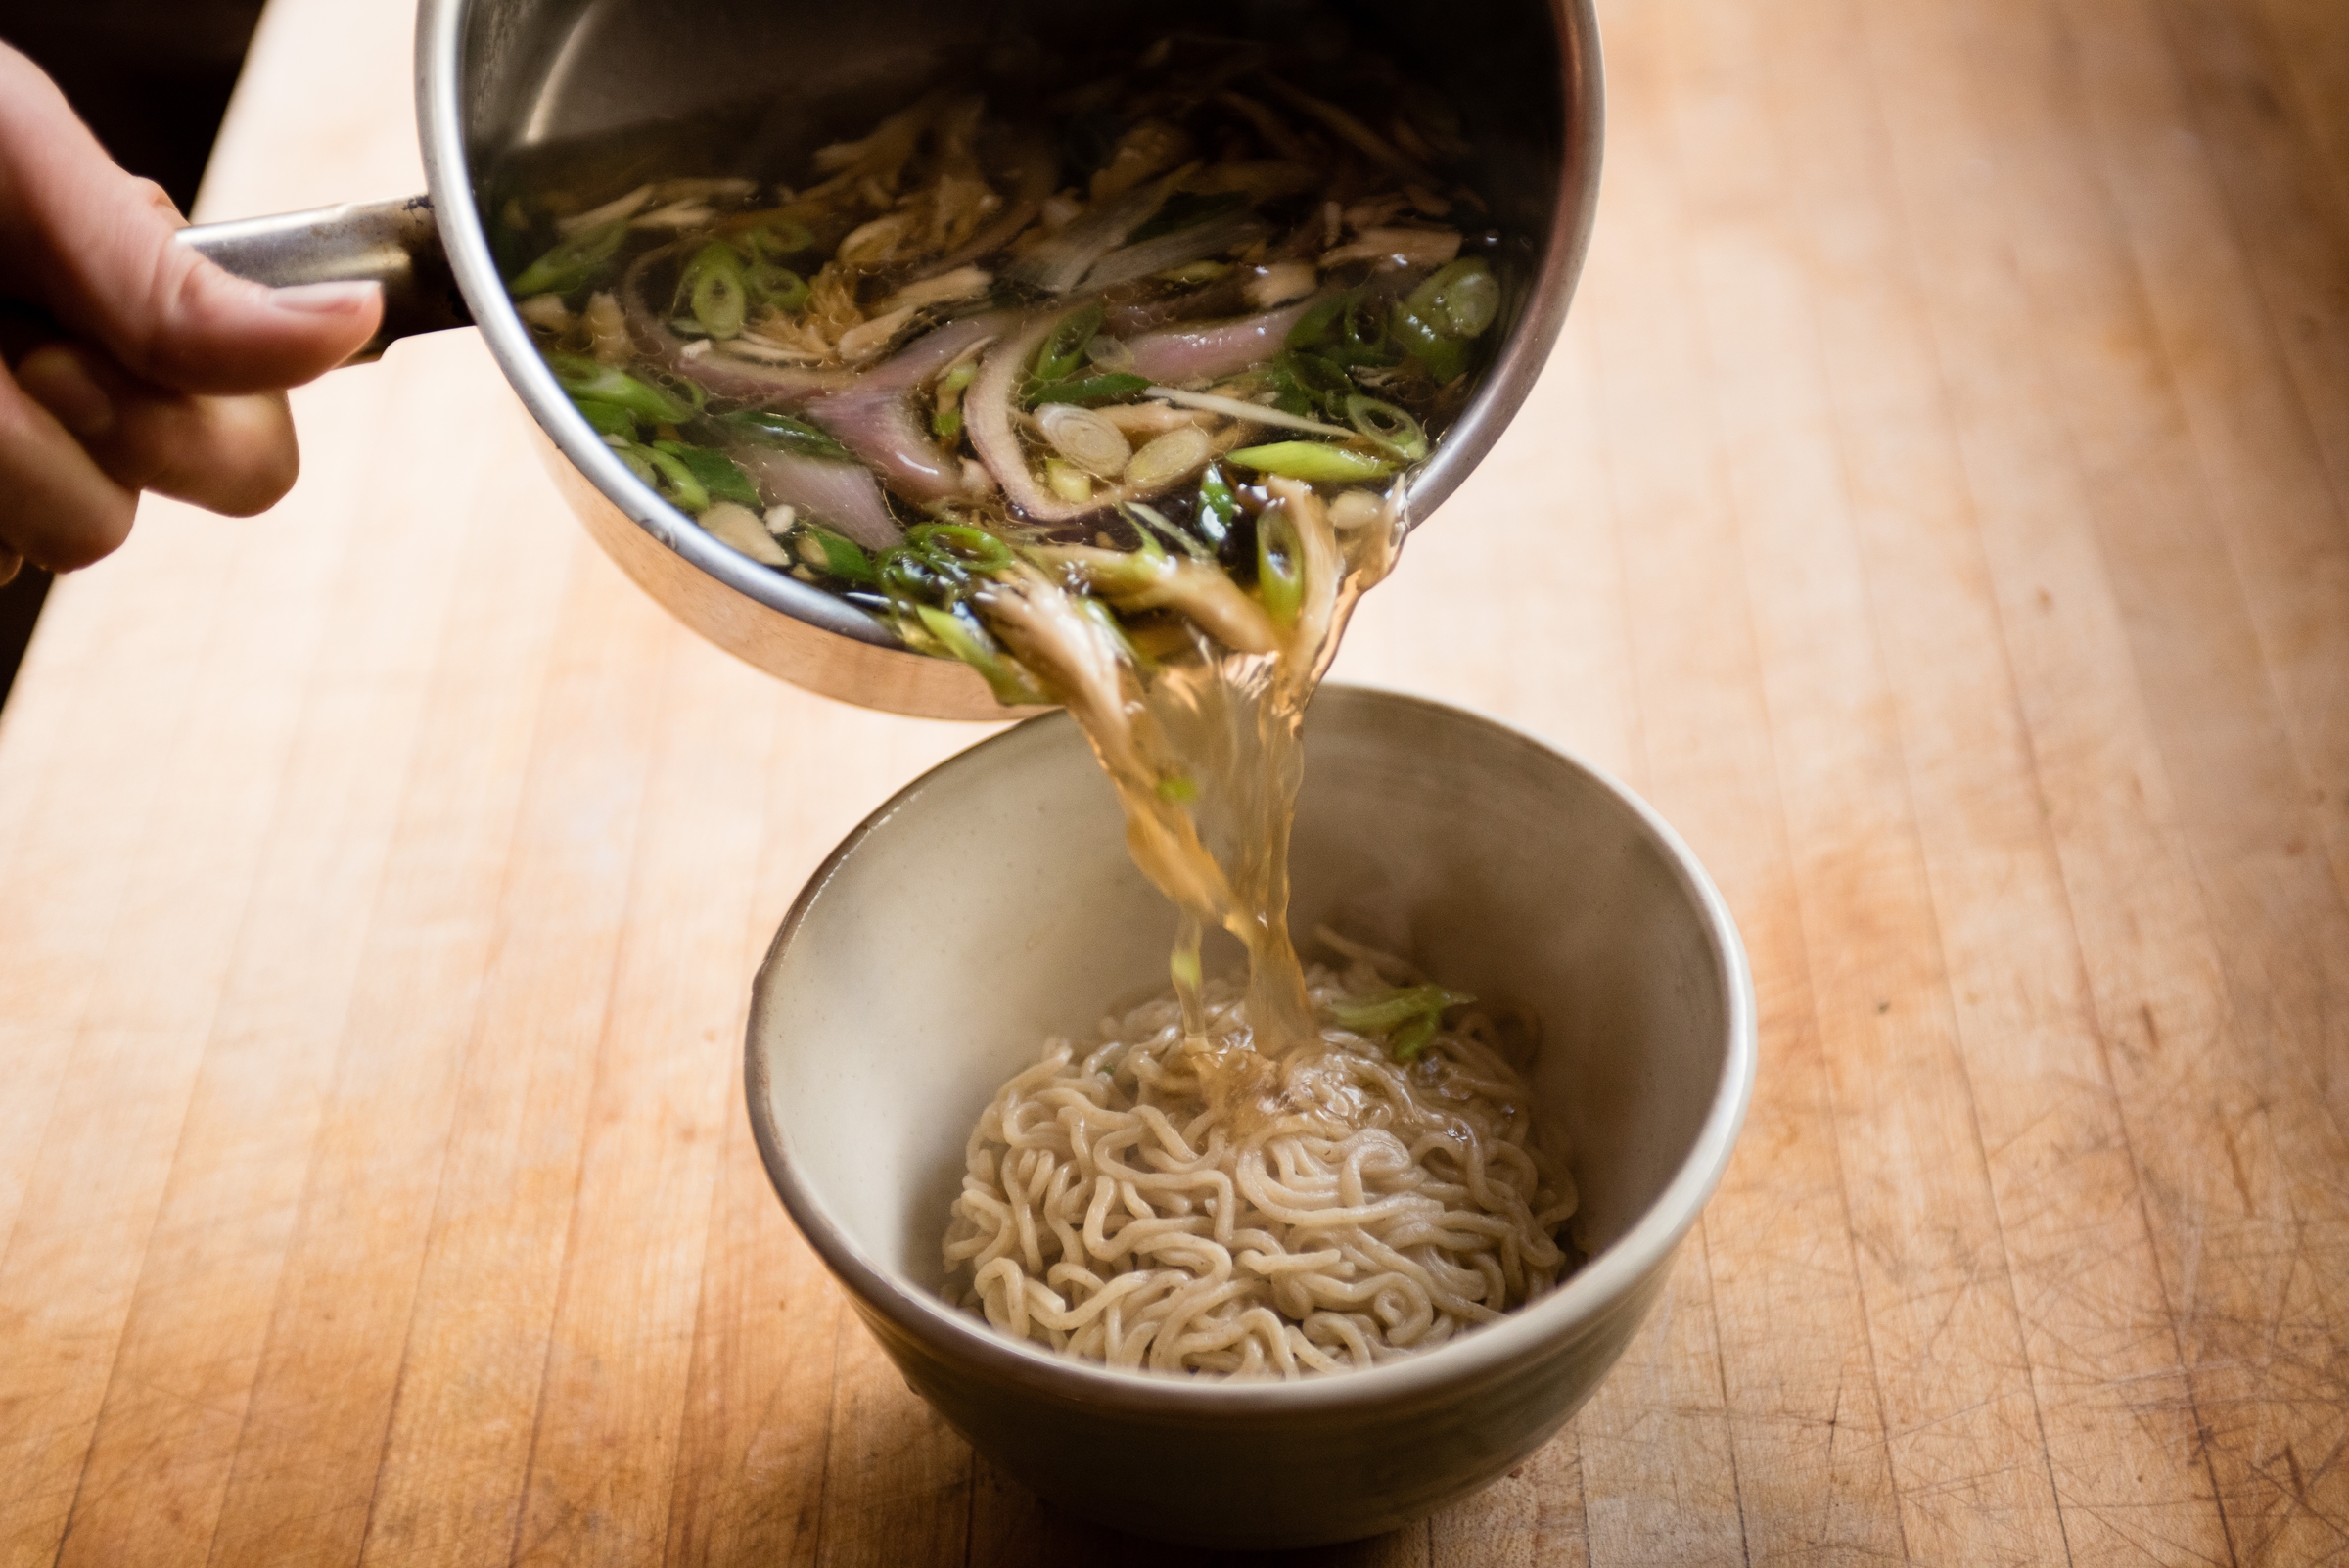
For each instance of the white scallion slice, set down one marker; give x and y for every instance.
(1168, 458)
(1086, 438)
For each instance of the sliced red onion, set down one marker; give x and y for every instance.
(1217, 350)
(987, 415)
(1226, 232)
(1056, 265)
(875, 417)
(841, 495)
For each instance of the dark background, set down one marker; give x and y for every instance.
(152, 77)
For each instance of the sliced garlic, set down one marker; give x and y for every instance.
(867, 338)
(1280, 282)
(608, 330)
(1356, 508)
(545, 311)
(963, 283)
(739, 528)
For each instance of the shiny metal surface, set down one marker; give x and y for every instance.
(504, 80)
(396, 244)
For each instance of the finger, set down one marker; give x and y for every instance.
(95, 247)
(58, 509)
(230, 454)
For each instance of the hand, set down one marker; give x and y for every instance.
(160, 371)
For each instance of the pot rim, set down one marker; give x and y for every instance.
(1490, 1352)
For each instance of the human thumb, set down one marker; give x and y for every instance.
(94, 247)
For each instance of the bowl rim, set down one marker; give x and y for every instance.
(1488, 1352)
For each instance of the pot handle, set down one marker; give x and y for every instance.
(398, 244)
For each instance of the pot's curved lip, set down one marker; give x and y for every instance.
(1488, 1353)
(439, 61)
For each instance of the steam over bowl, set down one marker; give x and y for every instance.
(991, 905)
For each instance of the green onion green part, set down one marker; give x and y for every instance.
(715, 288)
(1218, 507)
(609, 419)
(1315, 462)
(586, 380)
(1387, 427)
(716, 474)
(964, 638)
(1279, 566)
(572, 263)
(677, 480)
(1091, 391)
(836, 553)
(772, 429)
(1407, 1016)
(1063, 350)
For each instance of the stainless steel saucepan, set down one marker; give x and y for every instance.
(502, 84)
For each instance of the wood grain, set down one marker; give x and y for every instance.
(1936, 507)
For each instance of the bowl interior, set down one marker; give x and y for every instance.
(992, 905)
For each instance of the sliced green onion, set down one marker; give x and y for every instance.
(1063, 350)
(1381, 1011)
(1146, 518)
(945, 420)
(1067, 481)
(677, 479)
(779, 286)
(960, 545)
(772, 429)
(1406, 1043)
(716, 472)
(1387, 427)
(572, 263)
(609, 419)
(1218, 507)
(1324, 384)
(638, 462)
(1460, 299)
(1362, 338)
(1315, 462)
(718, 292)
(774, 235)
(583, 377)
(1279, 566)
(836, 553)
(1107, 619)
(1445, 358)
(1317, 325)
(967, 641)
(1091, 391)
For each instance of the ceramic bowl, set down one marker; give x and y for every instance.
(991, 905)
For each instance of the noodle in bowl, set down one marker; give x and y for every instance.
(1112, 1211)
(991, 907)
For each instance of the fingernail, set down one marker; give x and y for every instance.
(55, 378)
(325, 298)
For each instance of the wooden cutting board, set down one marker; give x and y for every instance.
(1935, 507)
